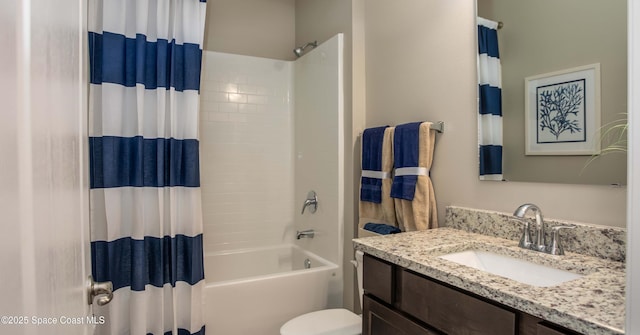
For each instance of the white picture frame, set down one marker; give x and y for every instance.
(562, 112)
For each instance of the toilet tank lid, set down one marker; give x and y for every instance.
(329, 321)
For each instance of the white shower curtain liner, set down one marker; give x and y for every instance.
(146, 215)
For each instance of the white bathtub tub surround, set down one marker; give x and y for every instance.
(246, 119)
(255, 118)
(255, 291)
(319, 163)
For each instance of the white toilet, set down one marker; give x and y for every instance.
(337, 321)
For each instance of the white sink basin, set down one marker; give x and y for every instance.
(513, 268)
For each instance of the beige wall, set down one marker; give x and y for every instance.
(260, 28)
(597, 34)
(321, 20)
(421, 65)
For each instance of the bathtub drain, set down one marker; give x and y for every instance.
(307, 263)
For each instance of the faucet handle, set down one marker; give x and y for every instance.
(525, 239)
(312, 200)
(556, 248)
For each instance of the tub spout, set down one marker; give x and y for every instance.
(309, 233)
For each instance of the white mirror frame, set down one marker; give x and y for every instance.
(633, 177)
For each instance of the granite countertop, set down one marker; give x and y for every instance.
(592, 305)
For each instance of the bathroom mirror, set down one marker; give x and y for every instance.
(544, 36)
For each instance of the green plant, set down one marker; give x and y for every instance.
(617, 132)
(613, 136)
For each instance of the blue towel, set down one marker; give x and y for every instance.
(406, 144)
(371, 189)
(381, 228)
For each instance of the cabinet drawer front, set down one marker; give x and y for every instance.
(452, 311)
(378, 278)
(548, 329)
(378, 319)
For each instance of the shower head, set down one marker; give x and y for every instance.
(299, 50)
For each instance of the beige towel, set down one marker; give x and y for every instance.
(385, 211)
(421, 213)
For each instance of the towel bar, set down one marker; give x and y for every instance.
(437, 126)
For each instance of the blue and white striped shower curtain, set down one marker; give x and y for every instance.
(146, 215)
(490, 101)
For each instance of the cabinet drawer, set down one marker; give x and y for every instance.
(452, 311)
(378, 278)
(548, 329)
(379, 319)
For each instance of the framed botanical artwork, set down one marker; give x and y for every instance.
(562, 112)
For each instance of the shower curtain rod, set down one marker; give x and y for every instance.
(437, 126)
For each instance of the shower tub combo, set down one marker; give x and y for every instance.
(256, 291)
(248, 111)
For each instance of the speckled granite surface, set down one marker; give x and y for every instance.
(586, 239)
(592, 305)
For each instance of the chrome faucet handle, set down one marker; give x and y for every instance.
(525, 239)
(312, 200)
(555, 248)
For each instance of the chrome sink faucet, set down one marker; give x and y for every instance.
(538, 243)
(525, 241)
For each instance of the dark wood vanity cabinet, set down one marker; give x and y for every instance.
(398, 301)
(380, 319)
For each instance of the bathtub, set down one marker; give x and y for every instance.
(255, 291)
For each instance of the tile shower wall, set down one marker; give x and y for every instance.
(246, 144)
